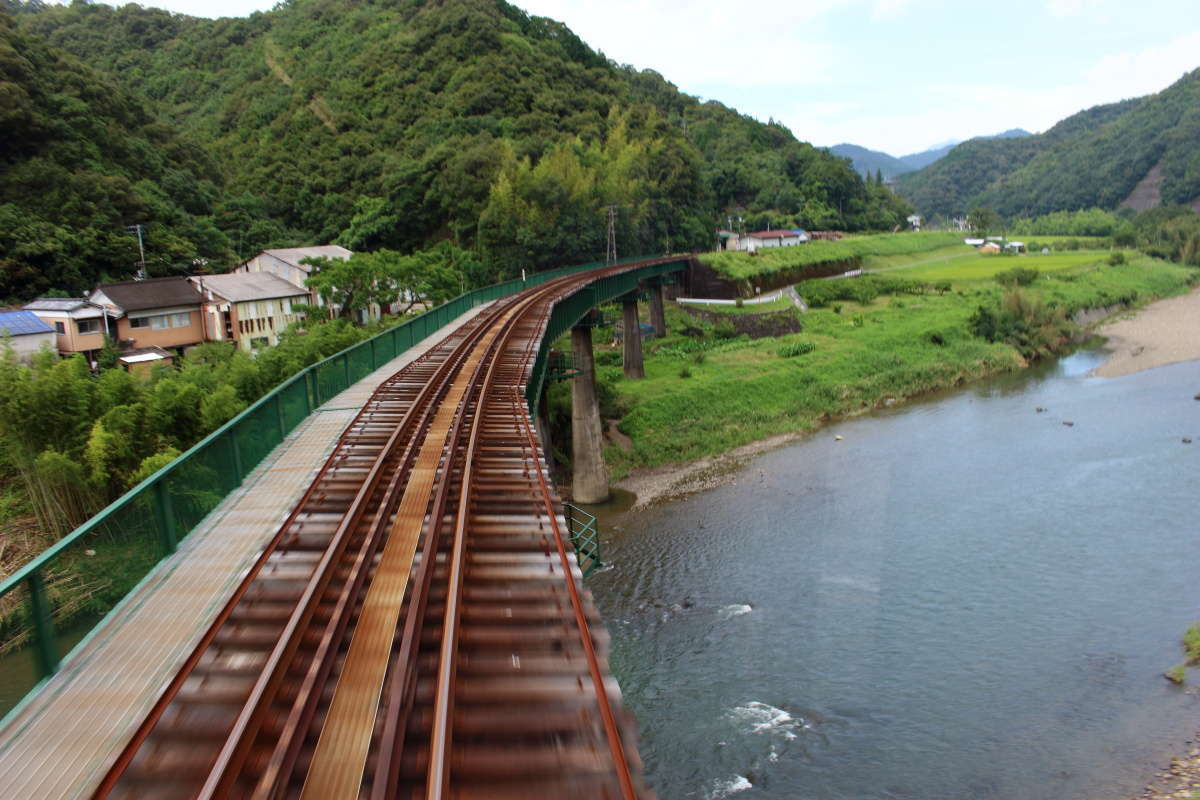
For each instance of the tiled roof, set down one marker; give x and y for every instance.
(294, 255)
(55, 304)
(238, 287)
(151, 293)
(21, 323)
(772, 234)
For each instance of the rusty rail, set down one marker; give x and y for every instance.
(481, 675)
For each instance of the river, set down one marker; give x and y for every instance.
(962, 598)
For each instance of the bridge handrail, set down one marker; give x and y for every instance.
(176, 501)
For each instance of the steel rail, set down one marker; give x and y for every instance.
(275, 545)
(287, 746)
(261, 762)
(403, 677)
(610, 724)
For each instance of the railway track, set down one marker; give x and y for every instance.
(417, 627)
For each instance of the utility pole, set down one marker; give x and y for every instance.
(141, 264)
(611, 255)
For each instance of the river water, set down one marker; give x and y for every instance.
(963, 598)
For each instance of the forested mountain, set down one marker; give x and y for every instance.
(867, 162)
(1095, 158)
(401, 123)
(80, 159)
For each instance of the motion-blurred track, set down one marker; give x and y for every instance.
(417, 627)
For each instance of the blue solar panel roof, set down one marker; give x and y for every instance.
(19, 323)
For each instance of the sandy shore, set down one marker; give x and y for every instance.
(674, 481)
(1164, 332)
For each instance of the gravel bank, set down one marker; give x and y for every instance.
(1162, 333)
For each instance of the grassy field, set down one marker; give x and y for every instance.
(973, 266)
(878, 262)
(704, 395)
(775, 260)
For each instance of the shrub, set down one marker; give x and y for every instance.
(699, 357)
(685, 373)
(739, 303)
(724, 330)
(1025, 322)
(1017, 276)
(793, 349)
(607, 358)
(1116, 259)
(837, 308)
(858, 321)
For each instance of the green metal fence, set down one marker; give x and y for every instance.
(64, 593)
(585, 536)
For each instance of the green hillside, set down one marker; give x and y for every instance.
(398, 123)
(80, 160)
(971, 173)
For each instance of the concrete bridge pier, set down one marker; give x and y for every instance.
(632, 337)
(589, 480)
(657, 317)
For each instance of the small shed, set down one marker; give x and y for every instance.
(141, 360)
(1016, 247)
(991, 248)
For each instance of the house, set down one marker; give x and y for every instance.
(1015, 247)
(80, 325)
(780, 238)
(991, 248)
(973, 242)
(156, 312)
(250, 309)
(285, 263)
(27, 332)
(729, 240)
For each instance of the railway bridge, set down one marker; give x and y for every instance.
(366, 585)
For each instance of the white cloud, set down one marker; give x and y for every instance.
(889, 9)
(1131, 74)
(1065, 8)
(774, 43)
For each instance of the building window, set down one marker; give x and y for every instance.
(162, 321)
(60, 328)
(259, 343)
(88, 325)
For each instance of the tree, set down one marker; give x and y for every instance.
(356, 283)
(983, 220)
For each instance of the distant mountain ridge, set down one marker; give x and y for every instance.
(1137, 153)
(867, 161)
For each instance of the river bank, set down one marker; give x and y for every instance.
(1164, 332)
(944, 603)
(1180, 780)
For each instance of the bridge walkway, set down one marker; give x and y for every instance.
(67, 735)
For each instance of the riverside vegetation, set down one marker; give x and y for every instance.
(866, 343)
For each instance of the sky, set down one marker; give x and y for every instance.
(893, 75)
